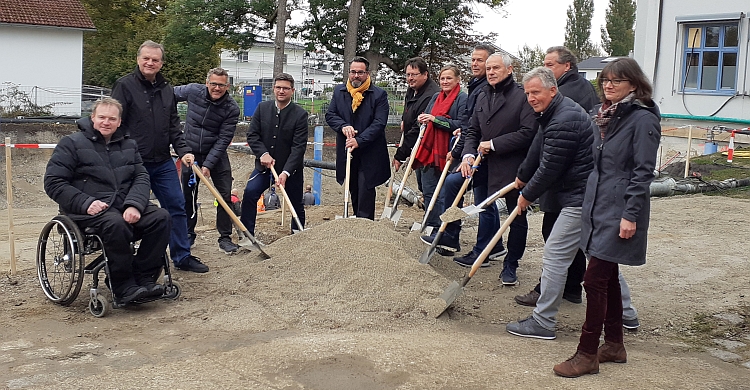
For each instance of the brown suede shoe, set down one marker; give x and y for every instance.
(612, 352)
(581, 363)
(528, 299)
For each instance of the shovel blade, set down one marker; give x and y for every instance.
(453, 291)
(386, 213)
(428, 230)
(472, 210)
(396, 216)
(427, 255)
(416, 226)
(250, 245)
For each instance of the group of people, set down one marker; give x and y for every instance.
(586, 157)
(103, 176)
(588, 160)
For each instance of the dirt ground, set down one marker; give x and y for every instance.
(342, 306)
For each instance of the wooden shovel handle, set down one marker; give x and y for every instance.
(486, 252)
(287, 201)
(218, 198)
(464, 186)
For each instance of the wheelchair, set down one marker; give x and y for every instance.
(61, 266)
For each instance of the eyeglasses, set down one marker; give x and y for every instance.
(413, 75)
(615, 82)
(280, 88)
(218, 85)
(357, 72)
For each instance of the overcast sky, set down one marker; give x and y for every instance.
(535, 22)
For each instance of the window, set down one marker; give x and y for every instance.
(242, 56)
(710, 57)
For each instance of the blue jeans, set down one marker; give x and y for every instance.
(489, 222)
(430, 177)
(165, 183)
(259, 182)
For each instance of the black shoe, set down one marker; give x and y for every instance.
(447, 242)
(443, 252)
(572, 297)
(192, 264)
(154, 289)
(508, 275)
(227, 246)
(468, 260)
(497, 253)
(131, 293)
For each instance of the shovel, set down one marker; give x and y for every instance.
(421, 227)
(427, 254)
(249, 240)
(455, 289)
(392, 212)
(389, 191)
(346, 182)
(288, 202)
(454, 213)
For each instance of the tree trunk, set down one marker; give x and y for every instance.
(278, 53)
(350, 40)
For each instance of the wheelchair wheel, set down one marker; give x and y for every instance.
(172, 292)
(59, 260)
(100, 306)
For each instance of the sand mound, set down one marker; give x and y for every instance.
(349, 273)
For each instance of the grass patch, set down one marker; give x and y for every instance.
(705, 327)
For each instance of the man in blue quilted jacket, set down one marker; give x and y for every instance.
(209, 129)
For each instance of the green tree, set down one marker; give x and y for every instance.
(618, 37)
(529, 59)
(121, 27)
(578, 29)
(389, 33)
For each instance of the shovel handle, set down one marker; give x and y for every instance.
(408, 167)
(497, 195)
(464, 186)
(439, 185)
(286, 199)
(346, 181)
(486, 252)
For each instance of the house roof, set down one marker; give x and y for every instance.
(595, 63)
(54, 13)
(265, 42)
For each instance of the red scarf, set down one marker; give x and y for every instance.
(434, 146)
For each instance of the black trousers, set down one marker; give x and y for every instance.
(363, 198)
(576, 270)
(153, 229)
(221, 176)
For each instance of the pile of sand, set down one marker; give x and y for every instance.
(348, 273)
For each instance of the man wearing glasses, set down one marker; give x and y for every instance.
(209, 129)
(418, 95)
(278, 138)
(358, 113)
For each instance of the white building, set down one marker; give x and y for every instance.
(696, 54)
(255, 67)
(41, 42)
(590, 68)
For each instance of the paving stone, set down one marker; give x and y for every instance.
(729, 344)
(731, 318)
(724, 355)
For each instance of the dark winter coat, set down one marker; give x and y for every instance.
(565, 161)
(210, 124)
(414, 104)
(502, 115)
(369, 120)
(149, 116)
(283, 134)
(83, 168)
(572, 85)
(618, 187)
(475, 88)
(580, 90)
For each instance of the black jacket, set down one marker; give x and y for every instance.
(210, 125)
(369, 120)
(502, 115)
(83, 169)
(618, 187)
(564, 162)
(572, 85)
(283, 134)
(475, 88)
(415, 104)
(149, 116)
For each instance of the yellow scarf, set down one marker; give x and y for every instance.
(357, 93)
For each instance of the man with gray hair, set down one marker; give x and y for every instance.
(209, 129)
(563, 167)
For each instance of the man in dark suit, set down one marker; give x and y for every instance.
(278, 138)
(501, 129)
(358, 114)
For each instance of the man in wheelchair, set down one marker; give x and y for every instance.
(98, 179)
